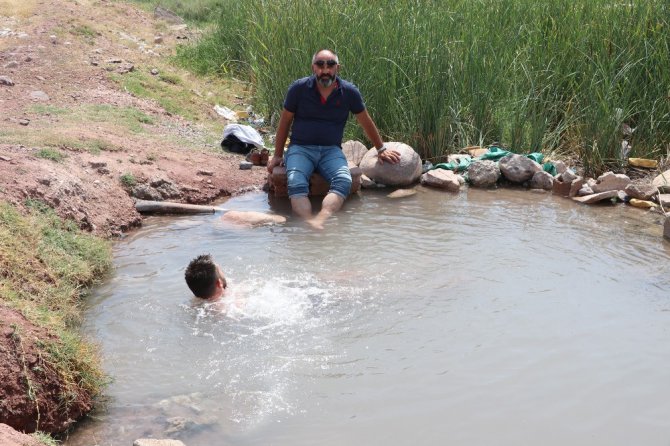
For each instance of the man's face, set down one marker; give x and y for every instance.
(325, 68)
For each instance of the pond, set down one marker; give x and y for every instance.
(488, 317)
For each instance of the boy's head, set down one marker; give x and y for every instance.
(204, 277)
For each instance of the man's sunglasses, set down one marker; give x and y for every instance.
(321, 63)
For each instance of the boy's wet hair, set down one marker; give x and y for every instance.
(201, 275)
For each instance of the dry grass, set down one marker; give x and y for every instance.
(17, 8)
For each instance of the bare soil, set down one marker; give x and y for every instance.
(70, 50)
(71, 145)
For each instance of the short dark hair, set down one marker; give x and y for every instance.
(201, 276)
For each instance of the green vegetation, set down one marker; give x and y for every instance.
(47, 109)
(550, 75)
(45, 438)
(50, 154)
(170, 78)
(46, 263)
(129, 117)
(128, 180)
(84, 31)
(87, 33)
(199, 11)
(170, 94)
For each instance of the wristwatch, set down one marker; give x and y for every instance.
(382, 149)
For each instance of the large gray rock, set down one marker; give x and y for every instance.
(518, 168)
(542, 180)
(483, 173)
(442, 179)
(611, 181)
(404, 173)
(354, 151)
(640, 190)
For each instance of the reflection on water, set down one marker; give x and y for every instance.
(489, 317)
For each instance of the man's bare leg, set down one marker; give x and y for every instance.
(331, 204)
(302, 206)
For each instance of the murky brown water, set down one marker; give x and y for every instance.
(490, 317)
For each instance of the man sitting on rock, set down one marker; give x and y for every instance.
(316, 110)
(205, 278)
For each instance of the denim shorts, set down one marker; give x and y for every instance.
(327, 161)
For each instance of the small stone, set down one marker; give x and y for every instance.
(157, 442)
(664, 200)
(367, 183)
(641, 191)
(207, 173)
(115, 60)
(560, 167)
(44, 181)
(28, 59)
(5, 158)
(4, 80)
(594, 198)
(39, 96)
(402, 193)
(125, 68)
(53, 39)
(567, 176)
(11, 64)
(24, 121)
(94, 63)
(585, 190)
(158, 39)
(245, 165)
(154, 71)
(542, 180)
(40, 78)
(642, 204)
(97, 164)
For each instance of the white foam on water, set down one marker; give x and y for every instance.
(262, 330)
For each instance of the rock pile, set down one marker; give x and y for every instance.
(512, 169)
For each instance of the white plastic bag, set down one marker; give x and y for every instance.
(244, 133)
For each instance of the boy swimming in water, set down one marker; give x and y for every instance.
(205, 278)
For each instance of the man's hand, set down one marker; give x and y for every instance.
(275, 161)
(390, 156)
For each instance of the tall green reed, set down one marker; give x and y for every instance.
(558, 76)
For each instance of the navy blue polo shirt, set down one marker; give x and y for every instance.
(318, 122)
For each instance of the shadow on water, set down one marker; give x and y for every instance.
(488, 317)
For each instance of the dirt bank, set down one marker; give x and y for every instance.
(90, 106)
(71, 128)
